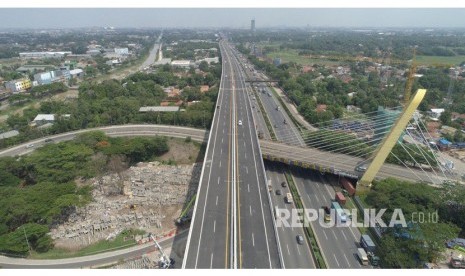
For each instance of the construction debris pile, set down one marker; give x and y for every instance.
(151, 198)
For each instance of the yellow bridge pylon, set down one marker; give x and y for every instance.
(389, 141)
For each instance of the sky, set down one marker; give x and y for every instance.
(231, 17)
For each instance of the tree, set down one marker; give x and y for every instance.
(203, 66)
(445, 117)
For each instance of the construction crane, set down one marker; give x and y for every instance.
(165, 261)
(410, 79)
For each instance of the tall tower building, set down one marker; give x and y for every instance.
(252, 25)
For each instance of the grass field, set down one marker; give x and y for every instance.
(120, 242)
(439, 60)
(291, 55)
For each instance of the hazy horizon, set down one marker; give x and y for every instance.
(47, 18)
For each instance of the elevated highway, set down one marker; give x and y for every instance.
(338, 164)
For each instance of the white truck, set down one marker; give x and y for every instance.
(362, 256)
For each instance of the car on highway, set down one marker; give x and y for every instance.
(240, 122)
(361, 168)
(29, 146)
(278, 192)
(283, 184)
(48, 140)
(327, 213)
(300, 239)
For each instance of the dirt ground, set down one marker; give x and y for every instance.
(183, 153)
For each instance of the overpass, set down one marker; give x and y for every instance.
(336, 163)
(325, 162)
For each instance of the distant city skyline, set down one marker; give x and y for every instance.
(46, 18)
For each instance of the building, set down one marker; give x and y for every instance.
(52, 76)
(435, 113)
(159, 109)
(209, 60)
(31, 68)
(93, 52)
(181, 63)
(76, 73)
(8, 134)
(122, 51)
(43, 119)
(252, 25)
(38, 55)
(18, 85)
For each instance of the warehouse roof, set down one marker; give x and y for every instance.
(159, 109)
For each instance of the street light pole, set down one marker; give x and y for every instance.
(27, 241)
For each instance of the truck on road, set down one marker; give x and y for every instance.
(367, 243)
(340, 198)
(362, 256)
(339, 212)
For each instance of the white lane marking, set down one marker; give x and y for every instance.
(324, 232)
(245, 155)
(218, 180)
(344, 235)
(221, 140)
(214, 226)
(288, 252)
(250, 209)
(327, 189)
(221, 153)
(244, 144)
(298, 250)
(309, 197)
(220, 163)
(334, 234)
(347, 260)
(247, 170)
(253, 241)
(211, 261)
(336, 260)
(216, 200)
(248, 188)
(223, 133)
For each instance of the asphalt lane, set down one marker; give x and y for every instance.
(258, 246)
(295, 255)
(209, 241)
(93, 260)
(338, 244)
